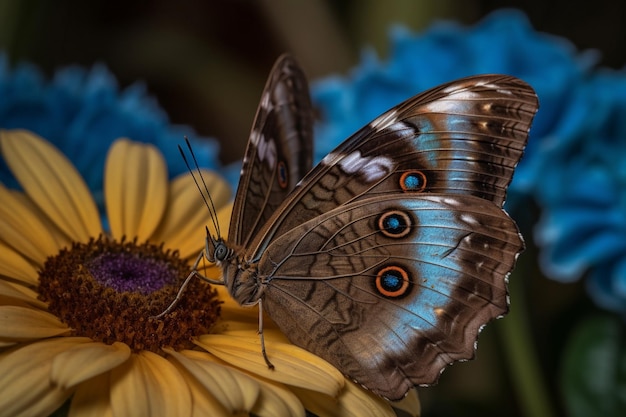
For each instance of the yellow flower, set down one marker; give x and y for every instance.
(77, 302)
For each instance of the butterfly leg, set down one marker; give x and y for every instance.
(263, 351)
(194, 273)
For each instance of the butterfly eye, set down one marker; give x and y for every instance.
(413, 181)
(283, 175)
(221, 251)
(395, 224)
(392, 282)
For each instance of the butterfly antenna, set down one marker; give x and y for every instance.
(206, 195)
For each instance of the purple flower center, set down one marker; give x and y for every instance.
(126, 272)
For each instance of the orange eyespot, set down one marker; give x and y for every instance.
(395, 224)
(413, 181)
(392, 281)
(283, 175)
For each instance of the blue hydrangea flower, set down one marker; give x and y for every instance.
(574, 163)
(504, 42)
(83, 111)
(582, 192)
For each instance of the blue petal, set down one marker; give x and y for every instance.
(83, 111)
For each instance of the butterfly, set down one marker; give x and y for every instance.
(388, 257)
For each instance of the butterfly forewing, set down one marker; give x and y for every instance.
(465, 137)
(279, 151)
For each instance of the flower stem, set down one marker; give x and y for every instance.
(521, 358)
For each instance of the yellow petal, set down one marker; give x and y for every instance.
(62, 240)
(23, 230)
(25, 383)
(233, 389)
(16, 267)
(167, 389)
(16, 294)
(353, 401)
(183, 225)
(410, 405)
(21, 323)
(129, 396)
(45, 404)
(91, 398)
(7, 343)
(83, 362)
(245, 328)
(217, 187)
(231, 311)
(135, 189)
(276, 400)
(293, 365)
(51, 180)
(204, 403)
(223, 218)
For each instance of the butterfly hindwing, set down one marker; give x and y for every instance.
(279, 151)
(390, 290)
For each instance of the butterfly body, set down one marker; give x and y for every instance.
(388, 257)
(240, 276)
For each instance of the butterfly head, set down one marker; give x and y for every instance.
(216, 250)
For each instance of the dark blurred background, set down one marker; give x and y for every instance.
(206, 62)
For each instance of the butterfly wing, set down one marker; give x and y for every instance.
(464, 137)
(394, 250)
(391, 289)
(279, 151)
(388, 257)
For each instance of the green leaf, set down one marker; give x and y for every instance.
(593, 378)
